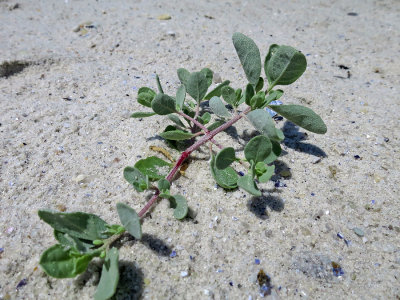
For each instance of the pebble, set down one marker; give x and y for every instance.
(358, 231)
(317, 160)
(184, 274)
(257, 261)
(80, 178)
(171, 33)
(217, 78)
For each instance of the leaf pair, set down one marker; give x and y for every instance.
(177, 202)
(283, 65)
(196, 83)
(76, 233)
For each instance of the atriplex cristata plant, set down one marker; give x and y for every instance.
(83, 236)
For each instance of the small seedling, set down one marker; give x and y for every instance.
(83, 236)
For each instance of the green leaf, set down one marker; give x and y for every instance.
(61, 262)
(273, 95)
(179, 204)
(163, 184)
(160, 90)
(176, 120)
(82, 246)
(183, 76)
(130, 220)
(197, 86)
(266, 176)
(145, 96)
(257, 100)
(142, 114)
(208, 74)
(229, 95)
(180, 97)
(276, 151)
(155, 168)
(77, 224)
(176, 135)
(135, 177)
(215, 125)
(258, 149)
(163, 104)
(260, 84)
(205, 118)
(178, 145)
(247, 183)
(238, 94)
(224, 158)
(262, 121)
(218, 107)
(109, 276)
(226, 178)
(248, 94)
(301, 116)
(217, 90)
(249, 56)
(284, 65)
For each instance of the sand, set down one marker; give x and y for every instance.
(67, 92)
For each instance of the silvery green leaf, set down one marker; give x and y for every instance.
(163, 104)
(284, 65)
(218, 107)
(130, 220)
(197, 86)
(249, 56)
(109, 276)
(301, 116)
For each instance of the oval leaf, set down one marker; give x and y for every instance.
(249, 56)
(284, 66)
(217, 90)
(180, 97)
(136, 178)
(77, 224)
(179, 203)
(130, 220)
(155, 168)
(226, 178)
(183, 76)
(276, 151)
(248, 94)
(218, 107)
(266, 176)
(174, 118)
(109, 276)
(163, 184)
(262, 121)
(59, 262)
(301, 116)
(163, 104)
(258, 149)
(208, 74)
(197, 86)
(176, 135)
(247, 183)
(224, 158)
(145, 98)
(229, 95)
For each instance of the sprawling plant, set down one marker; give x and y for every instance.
(82, 237)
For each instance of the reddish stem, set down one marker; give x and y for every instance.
(185, 154)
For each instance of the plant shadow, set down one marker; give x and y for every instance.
(294, 140)
(258, 205)
(156, 245)
(130, 284)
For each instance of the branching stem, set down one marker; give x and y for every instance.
(185, 154)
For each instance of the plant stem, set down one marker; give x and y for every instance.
(201, 126)
(185, 154)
